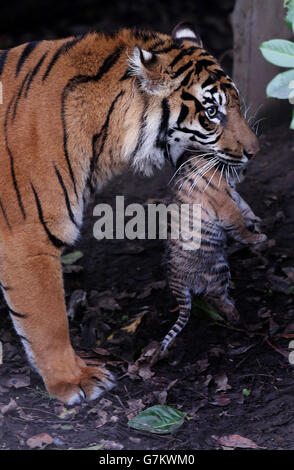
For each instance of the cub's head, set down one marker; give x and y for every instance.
(197, 104)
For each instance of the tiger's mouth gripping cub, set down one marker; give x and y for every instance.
(77, 111)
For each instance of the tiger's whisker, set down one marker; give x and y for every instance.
(217, 167)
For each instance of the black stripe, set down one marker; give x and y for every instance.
(3, 58)
(204, 123)
(5, 287)
(208, 100)
(83, 391)
(4, 215)
(202, 64)
(182, 69)
(186, 80)
(144, 35)
(192, 131)
(23, 338)
(16, 314)
(219, 73)
(56, 241)
(67, 201)
(183, 53)
(229, 194)
(215, 140)
(103, 133)
(62, 50)
(34, 73)
(126, 75)
(163, 127)
(157, 43)
(209, 81)
(213, 90)
(108, 63)
(223, 269)
(166, 49)
(225, 86)
(183, 114)
(25, 54)
(189, 97)
(141, 132)
(18, 96)
(15, 184)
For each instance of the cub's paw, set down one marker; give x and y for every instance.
(258, 238)
(232, 315)
(92, 383)
(253, 224)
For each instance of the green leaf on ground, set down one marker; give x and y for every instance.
(158, 419)
(200, 304)
(72, 257)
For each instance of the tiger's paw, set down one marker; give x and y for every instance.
(93, 382)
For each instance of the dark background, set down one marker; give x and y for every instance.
(22, 21)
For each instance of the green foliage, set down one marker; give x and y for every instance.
(280, 52)
(158, 419)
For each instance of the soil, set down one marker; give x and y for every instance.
(229, 380)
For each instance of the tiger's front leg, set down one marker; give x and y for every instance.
(32, 283)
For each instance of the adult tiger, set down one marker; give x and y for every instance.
(76, 112)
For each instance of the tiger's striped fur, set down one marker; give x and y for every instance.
(76, 112)
(205, 271)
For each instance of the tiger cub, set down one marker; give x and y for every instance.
(205, 271)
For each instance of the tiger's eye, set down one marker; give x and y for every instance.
(211, 111)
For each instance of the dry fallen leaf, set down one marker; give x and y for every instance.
(135, 406)
(111, 445)
(18, 381)
(145, 372)
(221, 381)
(39, 441)
(132, 327)
(142, 366)
(8, 408)
(221, 400)
(235, 440)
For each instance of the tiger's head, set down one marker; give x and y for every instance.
(200, 106)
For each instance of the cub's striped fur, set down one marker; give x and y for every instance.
(205, 270)
(77, 111)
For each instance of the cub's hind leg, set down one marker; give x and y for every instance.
(32, 282)
(224, 304)
(217, 290)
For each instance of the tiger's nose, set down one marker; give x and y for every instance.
(251, 152)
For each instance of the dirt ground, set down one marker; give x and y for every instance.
(228, 380)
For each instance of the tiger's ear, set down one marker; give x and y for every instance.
(141, 59)
(186, 31)
(145, 66)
